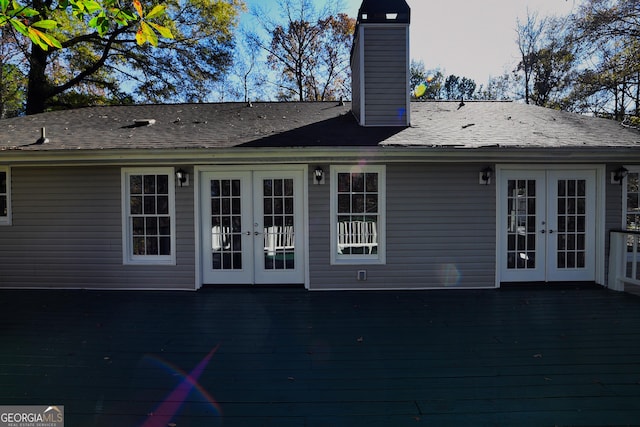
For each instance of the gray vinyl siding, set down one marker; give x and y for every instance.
(613, 211)
(441, 232)
(356, 79)
(67, 233)
(613, 204)
(385, 76)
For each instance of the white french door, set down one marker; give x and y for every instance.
(252, 226)
(547, 225)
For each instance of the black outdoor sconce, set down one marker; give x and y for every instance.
(485, 175)
(318, 175)
(618, 175)
(182, 177)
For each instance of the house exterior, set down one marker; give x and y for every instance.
(378, 193)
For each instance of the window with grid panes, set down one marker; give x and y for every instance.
(149, 216)
(632, 203)
(5, 200)
(358, 200)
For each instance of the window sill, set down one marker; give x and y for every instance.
(358, 261)
(167, 262)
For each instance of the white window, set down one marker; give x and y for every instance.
(631, 201)
(632, 205)
(5, 196)
(358, 214)
(148, 220)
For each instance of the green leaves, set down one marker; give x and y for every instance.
(21, 18)
(45, 24)
(19, 27)
(91, 6)
(43, 40)
(163, 31)
(91, 68)
(157, 11)
(146, 33)
(101, 15)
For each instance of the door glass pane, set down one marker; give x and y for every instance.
(521, 224)
(226, 224)
(571, 220)
(277, 187)
(279, 232)
(288, 187)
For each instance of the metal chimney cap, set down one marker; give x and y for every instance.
(384, 11)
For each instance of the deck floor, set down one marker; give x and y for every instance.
(289, 357)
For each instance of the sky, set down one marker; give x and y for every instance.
(468, 38)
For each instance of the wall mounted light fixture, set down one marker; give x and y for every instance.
(318, 175)
(182, 177)
(485, 175)
(618, 175)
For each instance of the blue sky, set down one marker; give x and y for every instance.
(473, 39)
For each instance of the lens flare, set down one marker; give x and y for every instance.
(449, 275)
(420, 90)
(168, 409)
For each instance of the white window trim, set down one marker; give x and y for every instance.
(6, 220)
(127, 256)
(624, 183)
(625, 212)
(380, 257)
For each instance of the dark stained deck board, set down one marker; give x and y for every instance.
(289, 357)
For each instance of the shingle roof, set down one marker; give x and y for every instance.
(510, 124)
(313, 124)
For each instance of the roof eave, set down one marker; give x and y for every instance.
(379, 154)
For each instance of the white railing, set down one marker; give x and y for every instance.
(357, 234)
(276, 239)
(623, 259)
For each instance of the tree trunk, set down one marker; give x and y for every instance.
(38, 89)
(3, 108)
(638, 95)
(527, 78)
(616, 102)
(622, 111)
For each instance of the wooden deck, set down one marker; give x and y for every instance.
(289, 357)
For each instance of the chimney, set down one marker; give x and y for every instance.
(380, 64)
